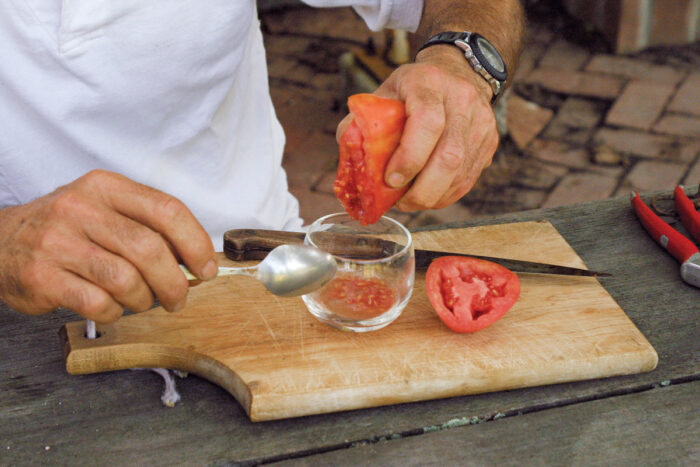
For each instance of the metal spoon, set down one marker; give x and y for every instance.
(288, 270)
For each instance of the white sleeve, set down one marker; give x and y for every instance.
(381, 14)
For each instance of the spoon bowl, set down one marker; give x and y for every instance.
(288, 270)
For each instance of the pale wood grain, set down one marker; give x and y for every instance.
(279, 362)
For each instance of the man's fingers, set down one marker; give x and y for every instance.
(114, 274)
(464, 150)
(146, 250)
(425, 123)
(81, 296)
(90, 227)
(472, 172)
(344, 123)
(446, 165)
(163, 214)
(98, 245)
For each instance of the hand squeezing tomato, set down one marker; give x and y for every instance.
(365, 148)
(470, 294)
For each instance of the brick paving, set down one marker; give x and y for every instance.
(583, 124)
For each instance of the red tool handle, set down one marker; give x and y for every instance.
(686, 209)
(673, 241)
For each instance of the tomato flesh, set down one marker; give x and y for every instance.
(469, 294)
(365, 148)
(351, 296)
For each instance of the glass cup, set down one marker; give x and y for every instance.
(376, 270)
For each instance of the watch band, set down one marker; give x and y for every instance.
(468, 42)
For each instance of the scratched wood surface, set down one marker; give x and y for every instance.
(279, 362)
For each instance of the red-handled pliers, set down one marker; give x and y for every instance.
(673, 241)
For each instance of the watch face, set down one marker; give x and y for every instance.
(490, 54)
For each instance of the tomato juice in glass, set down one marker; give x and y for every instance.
(376, 270)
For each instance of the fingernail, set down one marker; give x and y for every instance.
(179, 305)
(396, 180)
(210, 269)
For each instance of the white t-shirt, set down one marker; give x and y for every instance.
(171, 93)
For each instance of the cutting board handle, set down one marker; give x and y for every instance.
(122, 347)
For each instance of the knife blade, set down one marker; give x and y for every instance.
(252, 244)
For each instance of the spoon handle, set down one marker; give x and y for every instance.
(223, 271)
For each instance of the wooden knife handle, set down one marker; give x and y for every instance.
(249, 244)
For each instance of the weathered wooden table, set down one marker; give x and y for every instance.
(49, 417)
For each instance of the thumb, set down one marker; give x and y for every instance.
(344, 123)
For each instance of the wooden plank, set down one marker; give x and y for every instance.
(656, 427)
(279, 362)
(673, 22)
(633, 29)
(117, 417)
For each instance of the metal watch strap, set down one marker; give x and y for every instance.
(461, 41)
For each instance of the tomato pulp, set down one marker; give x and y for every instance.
(469, 294)
(355, 297)
(365, 148)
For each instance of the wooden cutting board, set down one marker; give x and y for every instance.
(278, 361)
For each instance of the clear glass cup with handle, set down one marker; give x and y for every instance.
(375, 275)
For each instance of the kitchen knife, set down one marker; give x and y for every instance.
(250, 244)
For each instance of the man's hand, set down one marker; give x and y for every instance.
(98, 245)
(450, 134)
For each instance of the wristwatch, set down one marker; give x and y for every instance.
(480, 53)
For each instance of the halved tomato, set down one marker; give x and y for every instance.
(365, 148)
(469, 294)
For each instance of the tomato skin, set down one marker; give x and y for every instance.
(470, 294)
(365, 148)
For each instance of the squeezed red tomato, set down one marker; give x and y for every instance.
(355, 297)
(469, 294)
(365, 148)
